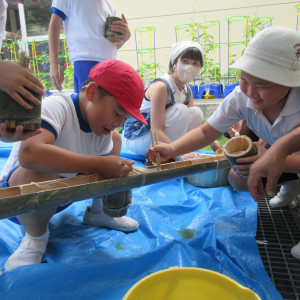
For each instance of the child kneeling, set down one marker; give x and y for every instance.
(78, 137)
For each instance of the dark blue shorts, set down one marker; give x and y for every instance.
(81, 72)
(5, 185)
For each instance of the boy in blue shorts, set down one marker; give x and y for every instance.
(78, 137)
(84, 27)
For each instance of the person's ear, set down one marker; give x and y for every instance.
(91, 91)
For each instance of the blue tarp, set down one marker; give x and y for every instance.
(180, 225)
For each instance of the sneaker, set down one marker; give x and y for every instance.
(295, 251)
(288, 192)
(30, 251)
(101, 219)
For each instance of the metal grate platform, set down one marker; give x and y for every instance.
(278, 230)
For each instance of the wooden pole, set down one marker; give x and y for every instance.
(28, 198)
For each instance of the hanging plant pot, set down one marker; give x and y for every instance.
(13, 114)
(111, 35)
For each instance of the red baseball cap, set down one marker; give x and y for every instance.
(123, 82)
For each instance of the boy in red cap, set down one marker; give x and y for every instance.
(78, 137)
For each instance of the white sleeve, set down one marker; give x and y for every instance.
(62, 5)
(55, 110)
(229, 111)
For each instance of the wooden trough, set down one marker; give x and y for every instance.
(28, 198)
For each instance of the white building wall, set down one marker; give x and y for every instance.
(164, 15)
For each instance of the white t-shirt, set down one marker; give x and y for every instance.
(237, 106)
(61, 115)
(3, 15)
(84, 25)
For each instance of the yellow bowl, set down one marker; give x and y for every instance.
(188, 283)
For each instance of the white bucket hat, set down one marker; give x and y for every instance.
(273, 55)
(178, 48)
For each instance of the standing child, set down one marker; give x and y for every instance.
(84, 26)
(267, 99)
(78, 137)
(168, 102)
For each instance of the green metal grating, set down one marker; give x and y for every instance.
(278, 230)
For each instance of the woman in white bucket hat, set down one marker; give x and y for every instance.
(168, 104)
(267, 99)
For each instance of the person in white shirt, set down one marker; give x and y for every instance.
(267, 99)
(168, 103)
(78, 137)
(84, 26)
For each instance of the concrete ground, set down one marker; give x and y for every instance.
(208, 106)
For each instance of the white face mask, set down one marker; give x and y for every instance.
(187, 73)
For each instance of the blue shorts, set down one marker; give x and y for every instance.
(81, 72)
(5, 185)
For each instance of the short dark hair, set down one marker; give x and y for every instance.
(190, 53)
(103, 92)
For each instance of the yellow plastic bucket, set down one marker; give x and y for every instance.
(188, 283)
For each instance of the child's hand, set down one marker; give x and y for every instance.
(245, 163)
(17, 135)
(122, 27)
(237, 129)
(57, 75)
(115, 166)
(270, 166)
(13, 80)
(215, 145)
(165, 151)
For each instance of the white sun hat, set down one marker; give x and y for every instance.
(178, 48)
(273, 55)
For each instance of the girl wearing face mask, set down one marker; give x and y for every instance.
(168, 103)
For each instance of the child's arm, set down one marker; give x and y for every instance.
(191, 103)
(273, 163)
(56, 71)
(191, 141)
(40, 154)
(158, 95)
